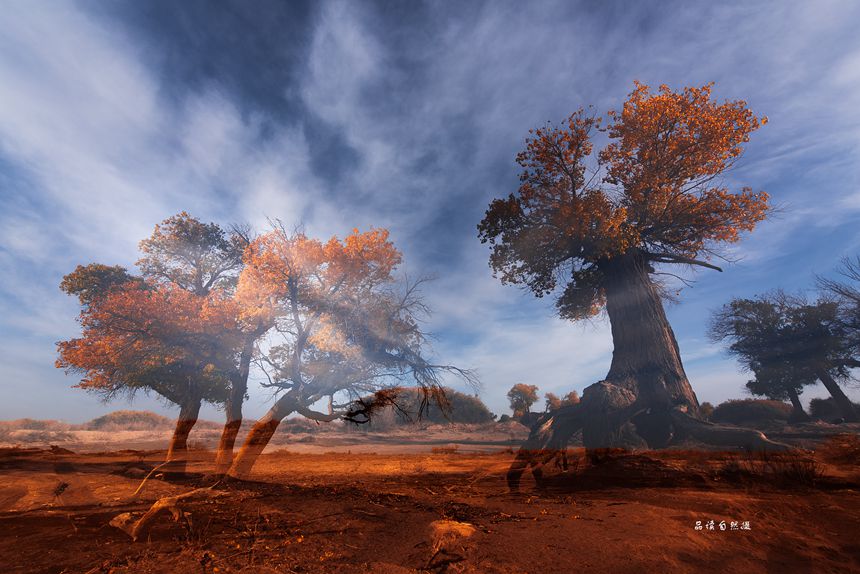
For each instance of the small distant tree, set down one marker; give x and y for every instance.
(411, 408)
(787, 344)
(553, 402)
(754, 412)
(706, 410)
(522, 397)
(571, 398)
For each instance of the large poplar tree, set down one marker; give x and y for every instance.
(593, 228)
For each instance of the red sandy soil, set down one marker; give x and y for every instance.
(346, 513)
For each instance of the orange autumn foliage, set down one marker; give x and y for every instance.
(160, 337)
(346, 321)
(281, 268)
(652, 191)
(669, 148)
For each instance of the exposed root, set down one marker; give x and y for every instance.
(138, 528)
(146, 478)
(723, 435)
(547, 439)
(550, 436)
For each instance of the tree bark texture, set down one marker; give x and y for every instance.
(797, 414)
(233, 410)
(646, 376)
(645, 358)
(177, 452)
(260, 435)
(646, 400)
(842, 401)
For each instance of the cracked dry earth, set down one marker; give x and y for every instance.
(350, 513)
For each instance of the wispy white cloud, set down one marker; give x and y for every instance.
(98, 156)
(97, 151)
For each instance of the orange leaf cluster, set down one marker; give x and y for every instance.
(152, 336)
(670, 146)
(279, 267)
(652, 191)
(294, 277)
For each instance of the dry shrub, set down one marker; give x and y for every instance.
(299, 425)
(827, 409)
(33, 424)
(36, 437)
(841, 449)
(129, 420)
(751, 412)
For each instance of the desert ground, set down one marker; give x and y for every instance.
(428, 501)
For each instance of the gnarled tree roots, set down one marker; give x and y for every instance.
(612, 417)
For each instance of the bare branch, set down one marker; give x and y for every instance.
(672, 258)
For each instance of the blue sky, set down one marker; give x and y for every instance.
(114, 116)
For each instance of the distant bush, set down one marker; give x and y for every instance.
(299, 425)
(33, 424)
(751, 412)
(706, 411)
(464, 408)
(129, 420)
(826, 409)
(22, 436)
(791, 469)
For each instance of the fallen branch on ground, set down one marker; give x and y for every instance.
(138, 528)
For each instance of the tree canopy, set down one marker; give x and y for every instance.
(350, 326)
(175, 330)
(346, 326)
(194, 255)
(142, 336)
(653, 190)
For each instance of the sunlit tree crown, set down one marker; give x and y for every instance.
(653, 191)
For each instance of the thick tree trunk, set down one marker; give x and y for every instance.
(646, 399)
(646, 362)
(233, 410)
(177, 452)
(645, 358)
(260, 435)
(798, 414)
(842, 402)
